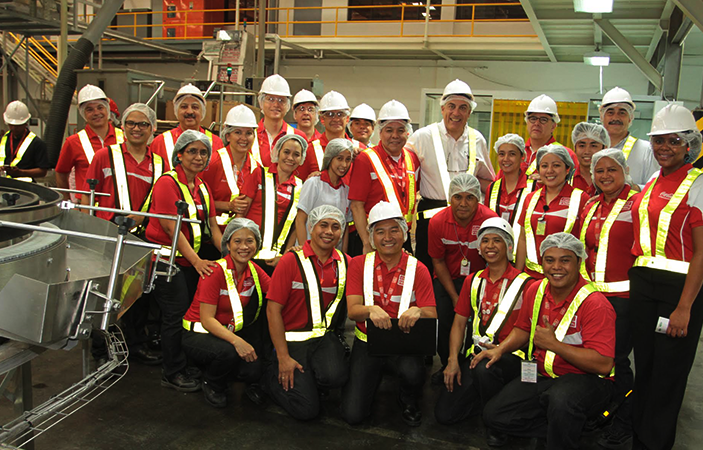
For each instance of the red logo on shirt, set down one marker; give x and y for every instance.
(474, 229)
(401, 280)
(666, 195)
(564, 201)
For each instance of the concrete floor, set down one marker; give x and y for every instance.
(138, 413)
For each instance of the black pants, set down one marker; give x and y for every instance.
(624, 378)
(221, 359)
(325, 366)
(445, 316)
(134, 321)
(555, 408)
(422, 228)
(477, 387)
(365, 376)
(662, 363)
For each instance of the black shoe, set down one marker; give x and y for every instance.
(154, 342)
(495, 439)
(412, 416)
(214, 398)
(615, 437)
(180, 382)
(194, 373)
(255, 394)
(437, 378)
(145, 356)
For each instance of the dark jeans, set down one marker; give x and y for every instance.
(478, 386)
(624, 378)
(221, 359)
(325, 366)
(365, 376)
(445, 316)
(422, 228)
(662, 363)
(134, 321)
(555, 408)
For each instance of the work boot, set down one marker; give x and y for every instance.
(180, 382)
(213, 397)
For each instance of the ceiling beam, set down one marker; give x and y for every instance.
(692, 9)
(631, 52)
(656, 37)
(530, 11)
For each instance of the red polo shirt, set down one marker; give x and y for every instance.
(159, 147)
(163, 201)
(531, 154)
(593, 325)
(679, 240)
(422, 295)
(451, 242)
(491, 299)
(306, 167)
(253, 189)
(217, 180)
(507, 201)
(619, 258)
(212, 290)
(579, 182)
(287, 287)
(140, 177)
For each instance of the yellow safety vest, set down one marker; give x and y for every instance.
(494, 204)
(533, 166)
(532, 261)
(405, 295)
(563, 326)
(87, 146)
(20, 152)
(234, 300)
(506, 303)
(320, 323)
(602, 254)
(656, 258)
(224, 218)
(319, 152)
(273, 243)
(121, 183)
(171, 144)
(629, 143)
(387, 183)
(255, 148)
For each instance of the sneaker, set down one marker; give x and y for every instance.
(615, 437)
(213, 397)
(255, 394)
(180, 382)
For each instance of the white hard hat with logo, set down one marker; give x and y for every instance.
(461, 89)
(189, 89)
(275, 85)
(304, 96)
(617, 95)
(363, 111)
(673, 118)
(393, 110)
(241, 116)
(543, 104)
(333, 101)
(384, 211)
(16, 113)
(91, 93)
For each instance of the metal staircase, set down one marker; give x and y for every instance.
(31, 55)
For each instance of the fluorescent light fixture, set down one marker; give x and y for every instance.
(593, 6)
(597, 58)
(224, 35)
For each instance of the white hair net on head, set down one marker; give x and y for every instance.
(325, 212)
(142, 108)
(559, 151)
(585, 130)
(235, 225)
(334, 148)
(511, 138)
(626, 106)
(465, 182)
(460, 97)
(186, 138)
(564, 241)
(179, 100)
(508, 239)
(693, 139)
(285, 138)
(616, 155)
(82, 106)
(408, 126)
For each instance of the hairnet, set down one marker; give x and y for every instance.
(561, 152)
(408, 126)
(401, 223)
(325, 212)
(511, 138)
(179, 100)
(228, 129)
(461, 97)
(465, 182)
(188, 137)
(263, 95)
(585, 130)
(564, 241)
(616, 155)
(626, 106)
(693, 139)
(334, 148)
(508, 239)
(82, 106)
(235, 225)
(287, 137)
(144, 109)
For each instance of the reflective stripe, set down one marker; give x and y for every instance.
(273, 244)
(405, 295)
(119, 135)
(319, 152)
(494, 205)
(629, 143)
(195, 228)
(495, 195)
(533, 166)
(20, 151)
(661, 263)
(224, 218)
(531, 260)
(320, 324)
(389, 186)
(442, 157)
(170, 144)
(158, 171)
(87, 145)
(256, 152)
(121, 182)
(430, 213)
(602, 246)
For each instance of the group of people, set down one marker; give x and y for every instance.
(542, 277)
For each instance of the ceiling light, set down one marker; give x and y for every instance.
(597, 58)
(593, 6)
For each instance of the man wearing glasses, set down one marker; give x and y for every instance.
(334, 113)
(306, 110)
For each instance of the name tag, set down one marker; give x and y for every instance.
(541, 227)
(528, 372)
(465, 270)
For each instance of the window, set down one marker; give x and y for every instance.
(485, 10)
(413, 10)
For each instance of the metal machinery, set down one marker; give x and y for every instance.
(63, 275)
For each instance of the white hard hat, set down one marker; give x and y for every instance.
(333, 101)
(241, 116)
(393, 110)
(275, 85)
(16, 113)
(189, 89)
(543, 104)
(363, 111)
(304, 96)
(617, 95)
(673, 118)
(90, 93)
(384, 211)
(496, 222)
(458, 87)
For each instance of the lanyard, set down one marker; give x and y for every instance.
(487, 304)
(399, 168)
(385, 297)
(548, 309)
(12, 141)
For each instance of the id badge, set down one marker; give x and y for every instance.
(528, 372)
(541, 227)
(662, 325)
(230, 327)
(465, 270)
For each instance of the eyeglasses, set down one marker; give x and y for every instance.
(672, 141)
(541, 119)
(333, 114)
(140, 125)
(309, 109)
(272, 99)
(194, 151)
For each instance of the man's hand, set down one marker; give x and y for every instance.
(286, 372)
(450, 372)
(493, 355)
(203, 267)
(408, 319)
(545, 337)
(379, 317)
